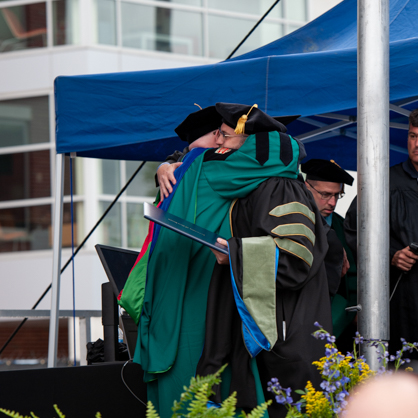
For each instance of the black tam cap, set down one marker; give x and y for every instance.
(248, 120)
(324, 170)
(198, 124)
(286, 119)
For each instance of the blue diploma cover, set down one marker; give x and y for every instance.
(184, 227)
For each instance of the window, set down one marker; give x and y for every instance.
(26, 161)
(161, 29)
(210, 28)
(65, 22)
(125, 225)
(23, 27)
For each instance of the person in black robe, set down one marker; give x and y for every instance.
(326, 180)
(403, 204)
(404, 231)
(280, 215)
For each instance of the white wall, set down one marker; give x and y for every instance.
(32, 71)
(318, 7)
(26, 275)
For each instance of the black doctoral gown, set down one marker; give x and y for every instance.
(403, 231)
(283, 210)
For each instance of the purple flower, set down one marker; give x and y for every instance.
(330, 351)
(358, 338)
(324, 385)
(344, 380)
(340, 396)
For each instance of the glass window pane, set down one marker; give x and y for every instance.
(22, 27)
(144, 182)
(75, 180)
(65, 22)
(24, 229)
(226, 33)
(67, 233)
(156, 28)
(111, 228)
(296, 10)
(106, 22)
(137, 225)
(24, 121)
(110, 177)
(292, 28)
(263, 35)
(25, 175)
(255, 7)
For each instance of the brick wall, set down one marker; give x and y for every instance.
(31, 342)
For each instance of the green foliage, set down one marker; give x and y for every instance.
(151, 412)
(194, 401)
(57, 410)
(14, 414)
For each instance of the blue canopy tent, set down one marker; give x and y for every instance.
(312, 72)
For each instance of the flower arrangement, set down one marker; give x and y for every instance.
(340, 374)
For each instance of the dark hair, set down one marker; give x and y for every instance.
(413, 118)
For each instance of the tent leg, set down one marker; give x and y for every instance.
(373, 172)
(56, 262)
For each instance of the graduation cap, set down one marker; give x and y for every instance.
(198, 124)
(248, 120)
(286, 119)
(324, 170)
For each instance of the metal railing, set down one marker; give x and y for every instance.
(84, 317)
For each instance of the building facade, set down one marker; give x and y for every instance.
(40, 40)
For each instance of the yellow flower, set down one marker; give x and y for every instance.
(317, 405)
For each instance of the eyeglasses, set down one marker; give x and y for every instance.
(328, 196)
(226, 136)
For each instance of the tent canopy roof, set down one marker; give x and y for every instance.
(312, 72)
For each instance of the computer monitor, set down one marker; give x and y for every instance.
(118, 263)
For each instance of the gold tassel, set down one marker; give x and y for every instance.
(240, 129)
(197, 106)
(332, 161)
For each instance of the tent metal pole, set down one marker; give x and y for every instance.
(373, 173)
(56, 261)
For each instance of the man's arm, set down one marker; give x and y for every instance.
(166, 178)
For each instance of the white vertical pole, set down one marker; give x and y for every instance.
(56, 261)
(85, 337)
(373, 172)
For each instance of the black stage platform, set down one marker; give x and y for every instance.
(79, 392)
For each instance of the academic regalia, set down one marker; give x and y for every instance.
(329, 171)
(171, 326)
(343, 327)
(403, 231)
(283, 212)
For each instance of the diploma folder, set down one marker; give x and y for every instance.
(184, 227)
